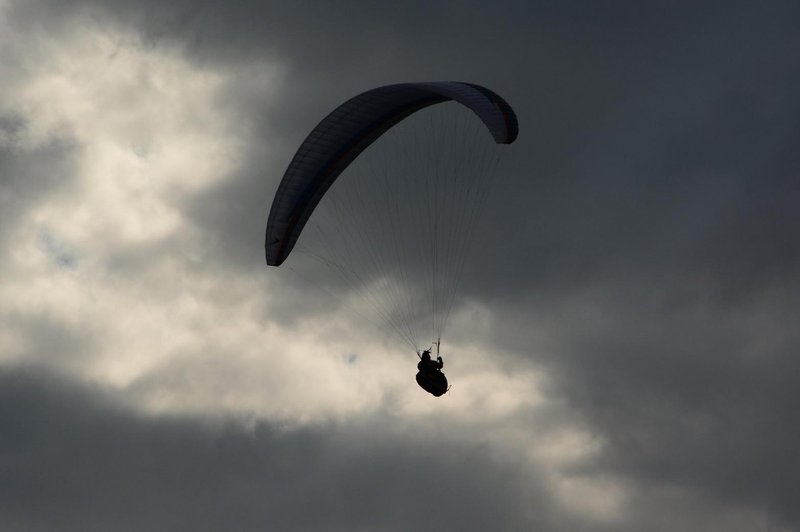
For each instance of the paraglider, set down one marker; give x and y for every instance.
(430, 376)
(403, 248)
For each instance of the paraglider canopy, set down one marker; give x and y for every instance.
(348, 131)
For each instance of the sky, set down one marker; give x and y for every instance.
(623, 350)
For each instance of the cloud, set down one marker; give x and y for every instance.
(75, 460)
(630, 329)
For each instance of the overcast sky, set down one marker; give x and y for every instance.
(624, 350)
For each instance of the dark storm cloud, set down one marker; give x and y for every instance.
(701, 398)
(74, 460)
(652, 139)
(652, 195)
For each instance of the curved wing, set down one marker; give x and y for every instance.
(349, 130)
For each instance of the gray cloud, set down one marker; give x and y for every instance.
(73, 459)
(28, 173)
